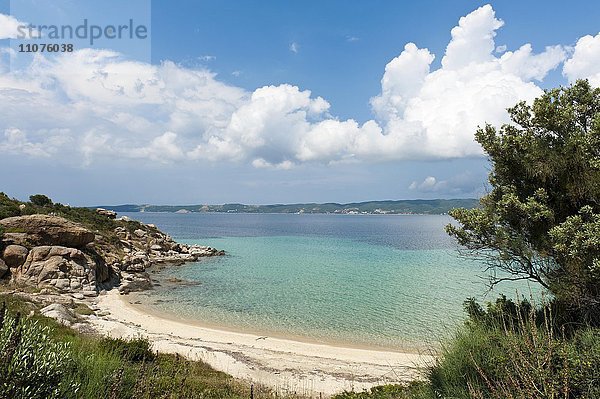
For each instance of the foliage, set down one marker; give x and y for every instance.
(40, 200)
(83, 366)
(414, 390)
(31, 364)
(541, 219)
(501, 355)
(134, 350)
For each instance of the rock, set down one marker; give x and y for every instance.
(60, 313)
(3, 268)
(156, 247)
(107, 213)
(14, 255)
(21, 239)
(49, 230)
(140, 233)
(60, 267)
(78, 296)
(140, 282)
(125, 219)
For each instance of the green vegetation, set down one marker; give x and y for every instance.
(41, 204)
(540, 222)
(39, 358)
(430, 207)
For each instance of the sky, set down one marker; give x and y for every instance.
(274, 101)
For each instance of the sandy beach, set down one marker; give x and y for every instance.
(283, 365)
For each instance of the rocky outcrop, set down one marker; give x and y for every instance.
(15, 255)
(66, 269)
(107, 213)
(47, 230)
(50, 251)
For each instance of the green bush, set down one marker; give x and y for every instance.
(40, 200)
(31, 364)
(514, 350)
(135, 350)
(415, 390)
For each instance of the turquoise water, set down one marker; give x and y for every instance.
(396, 283)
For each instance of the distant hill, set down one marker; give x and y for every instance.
(430, 207)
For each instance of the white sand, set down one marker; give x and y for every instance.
(284, 365)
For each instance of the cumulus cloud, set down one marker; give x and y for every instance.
(585, 62)
(294, 47)
(9, 26)
(102, 105)
(461, 184)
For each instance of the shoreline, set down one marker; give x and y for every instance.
(134, 301)
(285, 365)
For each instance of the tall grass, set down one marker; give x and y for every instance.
(42, 359)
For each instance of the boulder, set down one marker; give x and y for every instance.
(3, 268)
(107, 213)
(49, 230)
(15, 255)
(66, 269)
(140, 233)
(60, 313)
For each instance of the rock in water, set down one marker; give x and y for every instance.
(49, 230)
(14, 255)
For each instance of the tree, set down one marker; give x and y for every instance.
(541, 219)
(40, 200)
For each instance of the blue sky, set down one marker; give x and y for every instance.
(277, 102)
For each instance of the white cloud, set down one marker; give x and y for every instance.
(434, 114)
(207, 58)
(95, 104)
(461, 184)
(429, 184)
(585, 62)
(9, 26)
(294, 47)
(352, 39)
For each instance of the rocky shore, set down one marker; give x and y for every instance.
(57, 256)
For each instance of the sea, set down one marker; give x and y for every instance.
(394, 282)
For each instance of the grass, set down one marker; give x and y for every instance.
(75, 365)
(509, 351)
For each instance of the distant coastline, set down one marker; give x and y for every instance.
(390, 207)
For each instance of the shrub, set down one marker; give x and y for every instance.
(31, 364)
(40, 200)
(514, 350)
(135, 350)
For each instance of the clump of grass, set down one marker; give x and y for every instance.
(83, 309)
(514, 350)
(414, 390)
(134, 350)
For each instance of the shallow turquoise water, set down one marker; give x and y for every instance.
(331, 287)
